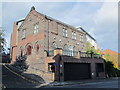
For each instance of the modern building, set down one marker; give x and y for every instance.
(89, 38)
(53, 49)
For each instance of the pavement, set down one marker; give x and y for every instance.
(108, 83)
(113, 83)
(12, 72)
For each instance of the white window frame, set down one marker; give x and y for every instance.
(74, 35)
(54, 45)
(23, 33)
(81, 37)
(36, 27)
(70, 50)
(64, 32)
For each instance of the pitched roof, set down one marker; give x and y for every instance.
(86, 32)
(52, 19)
(109, 51)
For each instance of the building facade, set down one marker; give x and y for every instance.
(89, 38)
(44, 39)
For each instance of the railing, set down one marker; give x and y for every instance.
(90, 55)
(97, 56)
(70, 53)
(75, 53)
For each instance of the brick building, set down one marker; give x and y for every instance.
(52, 47)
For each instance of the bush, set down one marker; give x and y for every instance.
(117, 72)
(110, 70)
(21, 63)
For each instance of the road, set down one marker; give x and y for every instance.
(112, 83)
(11, 80)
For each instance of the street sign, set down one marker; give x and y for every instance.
(54, 64)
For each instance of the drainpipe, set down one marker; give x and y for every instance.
(48, 35)
(48, 31)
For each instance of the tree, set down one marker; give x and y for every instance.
(2, 40)
(110, 70)
(112, 56)
(90, 48)
(21, 63)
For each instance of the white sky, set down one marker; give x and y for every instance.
(100, 19)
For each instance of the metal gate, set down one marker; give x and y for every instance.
(76, 71)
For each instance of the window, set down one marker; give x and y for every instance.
(64, 32)
(23, 33)
(73, 35)
(70, 51)
(81, 37)
(36, 28)
(51, 67)
(21, 52)
(74, 51)
(65, 49)
(37, 47)
(54, 46)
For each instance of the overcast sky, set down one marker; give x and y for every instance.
(100, 19)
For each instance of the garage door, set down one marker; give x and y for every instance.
(76, 71)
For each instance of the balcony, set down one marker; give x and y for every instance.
(70, 53)
(75, 54)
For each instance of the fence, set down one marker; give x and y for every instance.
(75, 53)
(90, 55)
(70, 52)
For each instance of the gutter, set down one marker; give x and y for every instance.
(20, 21)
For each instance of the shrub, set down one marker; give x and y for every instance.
(111, 71)
(21, 63)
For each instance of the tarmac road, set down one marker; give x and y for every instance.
(10, 80)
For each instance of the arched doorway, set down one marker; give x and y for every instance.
(29, 50)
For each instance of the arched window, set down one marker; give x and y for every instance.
(37, 47)
(29, 50)
(65, 49)
(21, 52)
(54, 45)
(74, 51)
(70, 52)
